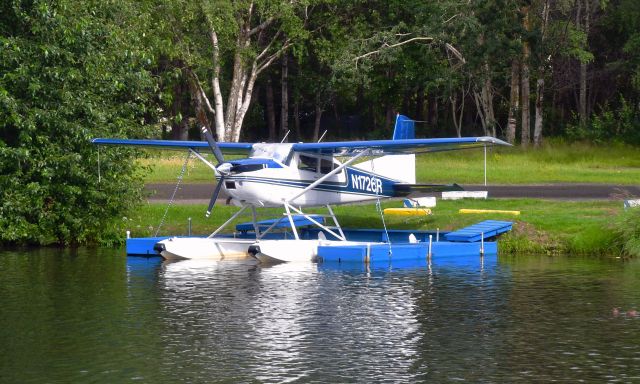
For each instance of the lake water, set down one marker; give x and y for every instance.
(94, 316)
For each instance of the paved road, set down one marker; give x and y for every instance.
(201, 193)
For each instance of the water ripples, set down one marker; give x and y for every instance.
(88, 317)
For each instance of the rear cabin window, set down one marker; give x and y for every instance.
(309, 163)
(326, 166)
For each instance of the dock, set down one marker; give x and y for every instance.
(481, 231)
(369, 245)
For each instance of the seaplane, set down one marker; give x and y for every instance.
(295, 176)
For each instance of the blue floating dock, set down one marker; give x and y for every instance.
(143, 246)
(392, 252)
(372, 245)
(480, 231)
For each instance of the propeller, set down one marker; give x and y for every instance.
(216, 192)
(213, 145)
(222, 170)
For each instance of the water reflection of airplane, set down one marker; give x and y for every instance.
(297, 175)
(276, 322)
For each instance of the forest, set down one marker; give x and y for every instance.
(253, 70)
(519, 70)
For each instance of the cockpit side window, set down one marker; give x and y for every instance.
(308, 163)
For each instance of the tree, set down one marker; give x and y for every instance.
(71, 71)
(525, 134)
(544, 9)
(254, 34)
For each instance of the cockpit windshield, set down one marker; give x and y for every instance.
(279, 152)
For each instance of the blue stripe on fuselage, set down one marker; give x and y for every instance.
(358, 182)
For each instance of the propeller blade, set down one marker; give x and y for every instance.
(216, 192)
(214, 146)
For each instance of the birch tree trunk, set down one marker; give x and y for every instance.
(317, 121)
(524, 81)
(215, 86)
(537, 130)
(484, 104)
(284, 111)
(457, 116)
(389, 116)
(526, 114)
(271, 111)
(296, 119)
(514, 102)
(432, 109)
(582, 109)
(488, 101)
(266, 41)
(420, 104)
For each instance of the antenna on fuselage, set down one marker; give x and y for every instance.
(322, 137)
(285, 137)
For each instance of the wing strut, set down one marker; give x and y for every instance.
(325, 177)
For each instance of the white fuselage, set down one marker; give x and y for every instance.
(273, 186)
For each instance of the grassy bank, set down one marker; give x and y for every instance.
(548, 227)
(553, 163)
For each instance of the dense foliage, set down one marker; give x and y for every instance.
(518, 69)
(69, 71)
(626, 229)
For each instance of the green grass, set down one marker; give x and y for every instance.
(553, 163)
(542, 227)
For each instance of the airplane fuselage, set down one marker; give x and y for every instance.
(273, 186)
(282, 177)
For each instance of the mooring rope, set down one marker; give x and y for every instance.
(379, 208)
(173, 195)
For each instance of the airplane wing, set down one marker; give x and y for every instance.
(397, 146)
(227, 148)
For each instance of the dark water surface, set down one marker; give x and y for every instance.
(94, 316)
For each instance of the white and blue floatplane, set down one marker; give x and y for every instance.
(299, 175)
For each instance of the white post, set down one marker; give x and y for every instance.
(429, 254)
(128, 234)
(367, 258)
(485, 165)
(481, 244)
(437, 235)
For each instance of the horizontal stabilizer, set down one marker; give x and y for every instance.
(405, 189)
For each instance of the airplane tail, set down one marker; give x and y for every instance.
(405, 165)
(397, 167)
(404, 128)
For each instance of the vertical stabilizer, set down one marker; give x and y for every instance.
(404, 129)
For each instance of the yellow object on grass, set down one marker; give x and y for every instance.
(488, 211)
(407, 211)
